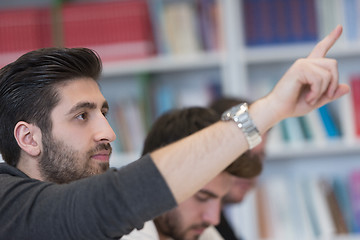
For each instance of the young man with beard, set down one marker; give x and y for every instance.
(52, 123)
(193, 216)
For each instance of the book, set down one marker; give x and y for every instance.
(351, 20)
(306, 128)
(32, 24)
(328, 120)
(135, 124)
(164, 99)
(330, 14)
(354, 190)
(277, 195)
(117, 30)
(122, 129)
(342, 195)
(180, 27)
(303, 218)
(208, 22)
(335, 211)
(354, 82)
(346, 108)
(156, 8)
(320, 208)
(317, 208)
(264, 225)
(314, 123)
(279, 21)
(292, 132)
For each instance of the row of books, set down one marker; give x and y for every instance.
(301, 207)
(117, 30)
(22, 30)
(131, 117)
(183, 27)
(279, 21)
(345, 12)
(334, 122)
(283, 21)
(317, 128)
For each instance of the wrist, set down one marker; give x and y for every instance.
(240, 115)
(264, 115)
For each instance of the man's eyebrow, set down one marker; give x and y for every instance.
(210, 194)
(88, 105)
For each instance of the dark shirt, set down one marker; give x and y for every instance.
(225, 229)
(105, 206)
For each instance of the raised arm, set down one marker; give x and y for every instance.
(309, 83)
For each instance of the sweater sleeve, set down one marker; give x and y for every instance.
(105, 206)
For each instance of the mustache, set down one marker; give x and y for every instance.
(202, 225)
(102, 146)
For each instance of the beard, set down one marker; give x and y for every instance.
(63, 164)
(170, 224)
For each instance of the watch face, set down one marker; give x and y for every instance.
(240, 116)
(240, 109)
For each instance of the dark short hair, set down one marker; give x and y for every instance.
(179, 123)
(248, 164)
(28, 89)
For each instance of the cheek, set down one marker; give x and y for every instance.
(72, 137)
(189, 211)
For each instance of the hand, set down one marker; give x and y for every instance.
(310, 82)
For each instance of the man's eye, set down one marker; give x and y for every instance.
(202, 198)
(82, 116)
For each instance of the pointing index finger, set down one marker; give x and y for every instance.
(324, 45)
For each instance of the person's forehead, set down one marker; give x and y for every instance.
(80, 89)
(78, 92)
(220, 185)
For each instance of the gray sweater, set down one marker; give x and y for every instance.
(106, 206)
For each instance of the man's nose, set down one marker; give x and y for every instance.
(104, 131)
(212, 213)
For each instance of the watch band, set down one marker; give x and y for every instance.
(240, 115)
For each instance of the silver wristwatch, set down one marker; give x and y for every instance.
(240, 115)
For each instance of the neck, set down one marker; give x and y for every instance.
(30, 167)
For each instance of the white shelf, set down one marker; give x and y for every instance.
(291, 52)
(309, 150)
(276, 53)
(162, 64)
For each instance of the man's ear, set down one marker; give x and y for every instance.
(28, 137)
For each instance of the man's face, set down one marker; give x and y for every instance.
(241, 186)
(193, 216)
(79, 143)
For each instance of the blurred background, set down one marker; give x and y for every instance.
(164, 54)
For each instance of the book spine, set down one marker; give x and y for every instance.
(355, 93)
(354, 189)
(332, 129)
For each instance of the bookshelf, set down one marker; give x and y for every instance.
(241, 70)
